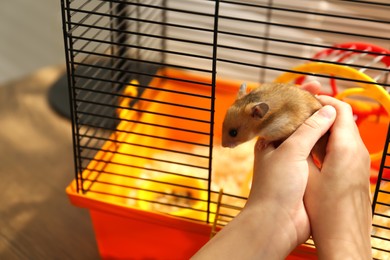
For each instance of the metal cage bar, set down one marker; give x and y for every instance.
(145, 79)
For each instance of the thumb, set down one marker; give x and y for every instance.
(306, 136)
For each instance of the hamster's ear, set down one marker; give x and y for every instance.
(241, 91)
(258, 110)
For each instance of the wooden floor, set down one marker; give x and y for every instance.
(36, 164)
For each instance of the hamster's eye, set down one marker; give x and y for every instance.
(233, 132)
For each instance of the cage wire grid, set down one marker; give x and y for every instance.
(146, 77)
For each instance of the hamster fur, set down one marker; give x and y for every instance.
(271, 112)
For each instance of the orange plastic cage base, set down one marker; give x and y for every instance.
(127, 232)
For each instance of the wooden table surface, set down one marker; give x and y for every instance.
(37, 220)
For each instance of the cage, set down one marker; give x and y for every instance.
(150, 81)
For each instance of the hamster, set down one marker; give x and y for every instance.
(271, 112)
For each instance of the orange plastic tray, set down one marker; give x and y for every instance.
(126, 231)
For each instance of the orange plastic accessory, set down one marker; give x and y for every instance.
(343, 51)
(376, 112)
(124, 102)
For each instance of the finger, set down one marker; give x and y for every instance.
(345, 120)
(345, 135)
(313, 87)
(262, 148)
(344, 110)
(302, 141)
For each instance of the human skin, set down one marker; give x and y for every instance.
(293, 199)
(337, 197)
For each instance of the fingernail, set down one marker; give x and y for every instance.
(327, 111)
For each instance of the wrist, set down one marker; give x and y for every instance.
(276, 230)
(340, 235)
(342, 249)
(263, 230)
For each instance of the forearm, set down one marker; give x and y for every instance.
(341, 249)
(353, 244)
(254, 234)
(343, 231)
